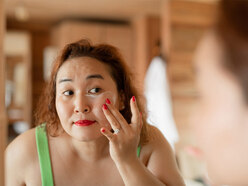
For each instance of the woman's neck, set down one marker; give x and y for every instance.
(90, 151)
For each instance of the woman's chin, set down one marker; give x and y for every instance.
(87, 136)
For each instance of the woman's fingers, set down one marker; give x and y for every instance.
(117, 121)
(107, 133)
(117, 115)
(136, 119)
(111, 119)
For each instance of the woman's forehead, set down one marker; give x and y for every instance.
(83, 65)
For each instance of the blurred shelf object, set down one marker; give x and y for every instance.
(18, 78)
(15, 114)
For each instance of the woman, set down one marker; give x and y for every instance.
(92, 131)
(221, 123)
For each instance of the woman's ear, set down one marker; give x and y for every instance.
(122, 101)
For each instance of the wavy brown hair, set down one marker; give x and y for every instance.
(107, 54)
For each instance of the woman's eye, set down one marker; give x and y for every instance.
(95, 90)
(68, 93)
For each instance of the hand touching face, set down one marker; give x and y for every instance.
(124, 141)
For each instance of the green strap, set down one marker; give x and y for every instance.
(44, 156)
(138, 151)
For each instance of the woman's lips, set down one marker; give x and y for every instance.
(83, 123)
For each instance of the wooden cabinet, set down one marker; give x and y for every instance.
(70, 31)
(119, 35)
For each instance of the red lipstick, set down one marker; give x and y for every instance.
(83, 123)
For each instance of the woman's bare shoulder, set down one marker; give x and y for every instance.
(156, 139)
(161, 159)
(20, 158)
(156, 145)
(23, 142)
(22, 149)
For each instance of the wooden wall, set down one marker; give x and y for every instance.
(189, 21)
(146, 36)
(186, 23)
(40, 40)
(3, 133)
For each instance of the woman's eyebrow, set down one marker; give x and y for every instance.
(98, 76)
(64, 80)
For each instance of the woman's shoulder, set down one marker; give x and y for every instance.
(156, 144)
(160, 158)
(156, 139)
(22, 149)
(21, 159)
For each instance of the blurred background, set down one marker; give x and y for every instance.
(36, 30)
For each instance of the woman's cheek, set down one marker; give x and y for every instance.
(63, 109)
(98, 102)
(60, 106)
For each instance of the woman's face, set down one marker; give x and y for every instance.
(82, 86)
(221, 117)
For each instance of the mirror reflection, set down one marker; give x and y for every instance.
(134, 90)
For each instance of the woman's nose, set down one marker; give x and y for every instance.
(81, 105)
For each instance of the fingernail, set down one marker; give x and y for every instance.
(105, 106)
(103, 130)
(133, 98)
(108, 101)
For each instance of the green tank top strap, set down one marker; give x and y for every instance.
(44, 156)
(138, 151)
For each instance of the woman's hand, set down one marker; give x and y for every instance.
(124, 141)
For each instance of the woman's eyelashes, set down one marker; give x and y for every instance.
(68, 92)
(95, 90)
